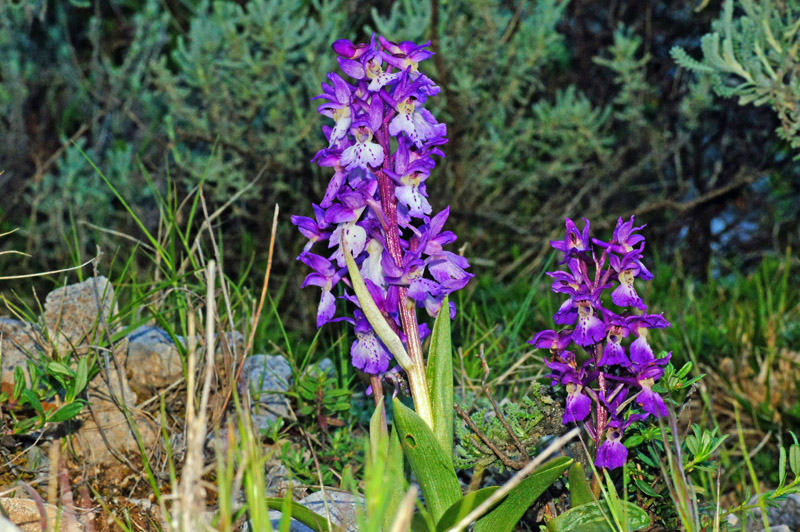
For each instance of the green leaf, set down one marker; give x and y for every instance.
(645, 488)
(781, 467)
(377, 432)
(684, 370)
(440, 379)
(19, 382)
(81, 375)
(301, 513)
(594, 517)
(59, 368)
(794, 459)
(580, 492)
(505, 517)
(29, 397)
(396, 479)
(66, 412)
(633, 441)
(432, 467)
(461, 508)
(419, 523)
(286, 512)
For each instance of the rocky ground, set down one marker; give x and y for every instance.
(91, 467)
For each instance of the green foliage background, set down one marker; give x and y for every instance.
(554, 109)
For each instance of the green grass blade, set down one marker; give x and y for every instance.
(396, 478)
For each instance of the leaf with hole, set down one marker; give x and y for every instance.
(432, 467)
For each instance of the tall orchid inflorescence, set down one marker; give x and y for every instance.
(602, 387)
(383, 244)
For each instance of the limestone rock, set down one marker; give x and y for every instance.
(268, 378)
(787, 514)
(24, 513)
(105, 430)
(153, 360)
(73, 317)
(20, 341)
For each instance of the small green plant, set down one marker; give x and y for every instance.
(320, 398)
(53, 394)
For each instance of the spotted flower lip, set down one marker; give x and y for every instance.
(612, 331)
(382, 147)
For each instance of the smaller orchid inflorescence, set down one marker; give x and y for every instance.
(375, 217)
(615, 373)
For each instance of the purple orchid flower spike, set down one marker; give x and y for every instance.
(364, 153)
(619, 362)
(383, 235)
(552, 340)
(614, 351)
(627, 268)
(641, 352)
(646, 376)
(338, 108)
(590, 329)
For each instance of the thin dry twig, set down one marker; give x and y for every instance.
(40, 274)
(508, 462)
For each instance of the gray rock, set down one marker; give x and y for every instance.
(73, 317)
(105, 431)
(153, 360)
(19, 341)
(268, 378)
(324, 366)
(786, 514)
(277, 479)
(779, 528)
(341, 504)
